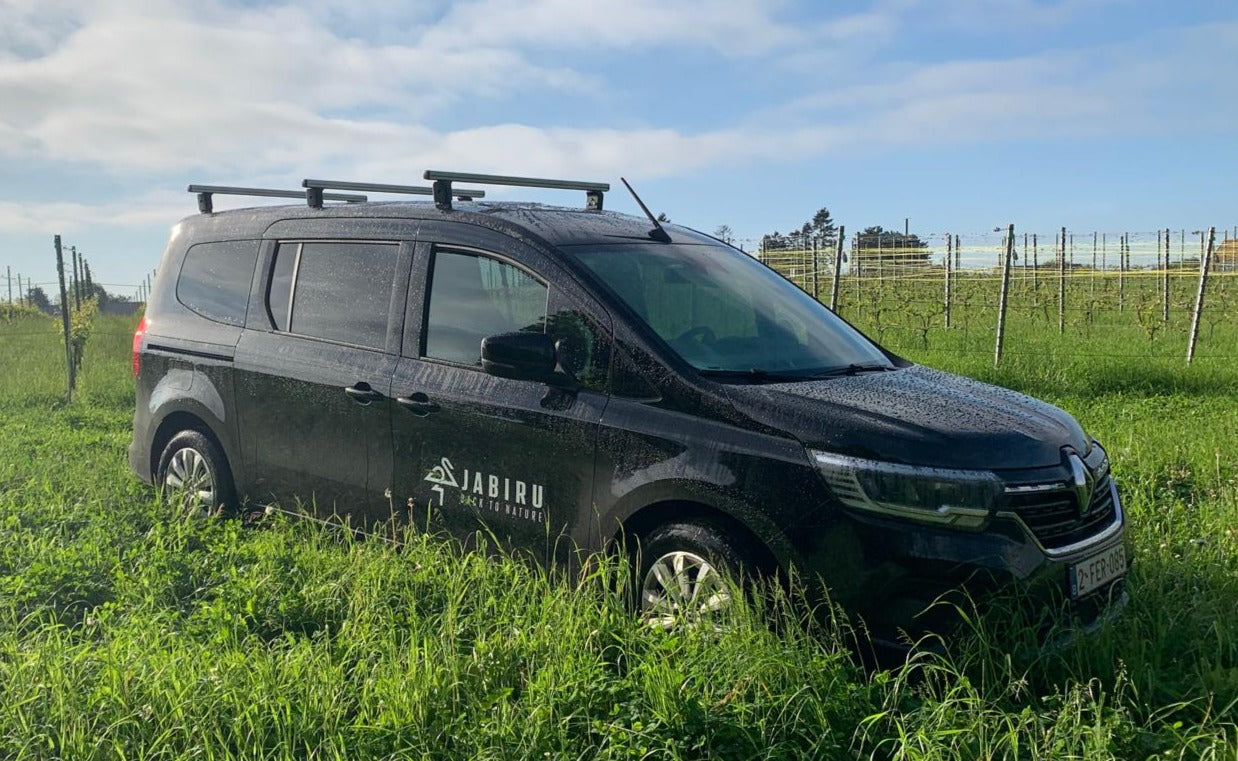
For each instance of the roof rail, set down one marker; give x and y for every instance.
(314, 195)
(443, 180)
(206, 204)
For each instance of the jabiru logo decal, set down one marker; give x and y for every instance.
(512, 497)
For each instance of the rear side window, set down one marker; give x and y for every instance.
(215, 279)
(472, 297)
(337, 291)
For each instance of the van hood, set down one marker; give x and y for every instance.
(917, 416)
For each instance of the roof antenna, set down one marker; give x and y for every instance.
(657, 233)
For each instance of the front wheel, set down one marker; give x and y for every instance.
(685, 572)
(194, 473)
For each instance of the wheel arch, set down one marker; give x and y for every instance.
(642, 521)
(183, 420)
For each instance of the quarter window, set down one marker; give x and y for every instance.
(215, 279)
(337, 291)
(472, 297)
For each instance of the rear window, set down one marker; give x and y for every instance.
(340, 291)
(215, 279)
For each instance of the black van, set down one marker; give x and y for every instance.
(573, 380)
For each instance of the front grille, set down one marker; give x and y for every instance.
(1053, 516)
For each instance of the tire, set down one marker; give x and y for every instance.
(686, 571)
(194, 473)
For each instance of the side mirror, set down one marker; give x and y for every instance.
(521, 356)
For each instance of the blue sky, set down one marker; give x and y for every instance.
(1111, 115)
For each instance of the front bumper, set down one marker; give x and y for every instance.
(904, 580)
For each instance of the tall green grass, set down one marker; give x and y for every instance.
(128, 631)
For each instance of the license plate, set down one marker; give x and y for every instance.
(1094, 572)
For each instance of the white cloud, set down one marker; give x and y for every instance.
(69, 217)
(1008, 16)
(227, 90)
(170, 91)
(730, 27)
(1167, 84)
(268, 95)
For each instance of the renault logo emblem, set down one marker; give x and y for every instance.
(1082, 481)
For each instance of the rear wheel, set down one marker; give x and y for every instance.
(686, 571)
(194, 473)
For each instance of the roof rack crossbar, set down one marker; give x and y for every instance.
(206, 204)
(443, 192)
(313, 187)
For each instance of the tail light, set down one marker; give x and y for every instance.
(137, 346)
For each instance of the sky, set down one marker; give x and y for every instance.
(954, 115)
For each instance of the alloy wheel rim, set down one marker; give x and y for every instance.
(189, 474)
(682, 586)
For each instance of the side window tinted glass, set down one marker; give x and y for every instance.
(279, 292)
(340, 291)
(583, 346)
(215, 279)
(472, 297)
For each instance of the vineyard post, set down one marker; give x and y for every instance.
(1035, 264)
(1061, 283)
(1165, 290)
(880, 262)
(1001, 304)
(80, 281)
(949, 256)
(1070, 267)
(815, 283)
(1024, 278)
(1093, 283)
(73, 280)
(1122, 272)
(855, 267)
(958, 254)
(1204, 263)
(9, 271)
(1157, 269)
(838, 268)
(64, 318)
(21, 295)
(806, 263)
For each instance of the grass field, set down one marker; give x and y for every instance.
(129, 632)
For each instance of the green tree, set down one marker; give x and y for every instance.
(775, 241)
(36, 298)
(878, 248)
(822, 227)
(98, 291)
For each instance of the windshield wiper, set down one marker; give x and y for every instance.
(855, 369)
(757, 375)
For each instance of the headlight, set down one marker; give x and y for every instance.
(956, 498)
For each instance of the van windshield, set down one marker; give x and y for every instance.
(728, 315)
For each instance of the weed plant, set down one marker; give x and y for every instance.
(130, 631)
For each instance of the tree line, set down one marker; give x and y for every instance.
(874, 243)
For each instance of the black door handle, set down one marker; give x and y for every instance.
(419, 404)
(362, 393)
